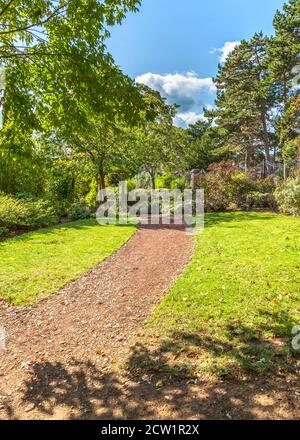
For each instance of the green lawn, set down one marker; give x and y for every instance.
(37, 264)
(233, 309)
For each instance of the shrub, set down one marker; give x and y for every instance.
(39, 213)
(164, 181)
(261, 201)
(3, 231)
(25, 196)
(131, 185)
(12, 212)
(267, 185)
(171, 181)
(241, 184)
(216, 195)
(78, 211)
(228, 188)
(287, 196)
(179, 183)
(25, 213)
(217, 185)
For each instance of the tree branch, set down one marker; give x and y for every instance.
(27, 54)
(6, 7)
(57, 11)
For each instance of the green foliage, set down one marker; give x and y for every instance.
(289, 129)
(291, 150)
(256, 92)
(241, 185)
(12, 212)
(22, 168)
(60, 46)
(3, 231)
(171, 181)
(59, 77)
(61, 182)
(156, 143)
(25, 213)
(78, 211)
(25, 196)
(288, 196)
(179, 183)
(204, 146)
(91, 197)
(131, 185)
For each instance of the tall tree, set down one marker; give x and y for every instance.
(58, 70)
(284, 51)
(245, 100)
(284, 72)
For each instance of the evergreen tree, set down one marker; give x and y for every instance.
(245, 99)
(284, 52)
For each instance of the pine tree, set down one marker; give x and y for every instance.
(245, 99)
(284, 52)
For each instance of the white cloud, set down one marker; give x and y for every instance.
(226, 50)
(184, 119)
(188, 118)
(182, 85)
(187, 90)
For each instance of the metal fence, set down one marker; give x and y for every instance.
(281, 169)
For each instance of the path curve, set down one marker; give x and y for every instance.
(92, 321)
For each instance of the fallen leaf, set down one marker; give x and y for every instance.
(99, 352)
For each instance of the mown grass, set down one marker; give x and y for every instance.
(233, 309)
(37, 264)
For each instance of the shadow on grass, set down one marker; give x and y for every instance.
(162, 380)
(239, 350)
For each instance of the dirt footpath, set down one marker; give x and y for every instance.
(60, 352)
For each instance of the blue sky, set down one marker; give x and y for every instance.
(175, 46)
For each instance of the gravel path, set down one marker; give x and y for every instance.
(60, 354)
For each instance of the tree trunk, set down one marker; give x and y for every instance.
(153, 183)
(285, 171)
(102, 186)
(102, 179)
(247, 159)
(266, 138)
(285, 92)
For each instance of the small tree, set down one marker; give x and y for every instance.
(154, 138)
